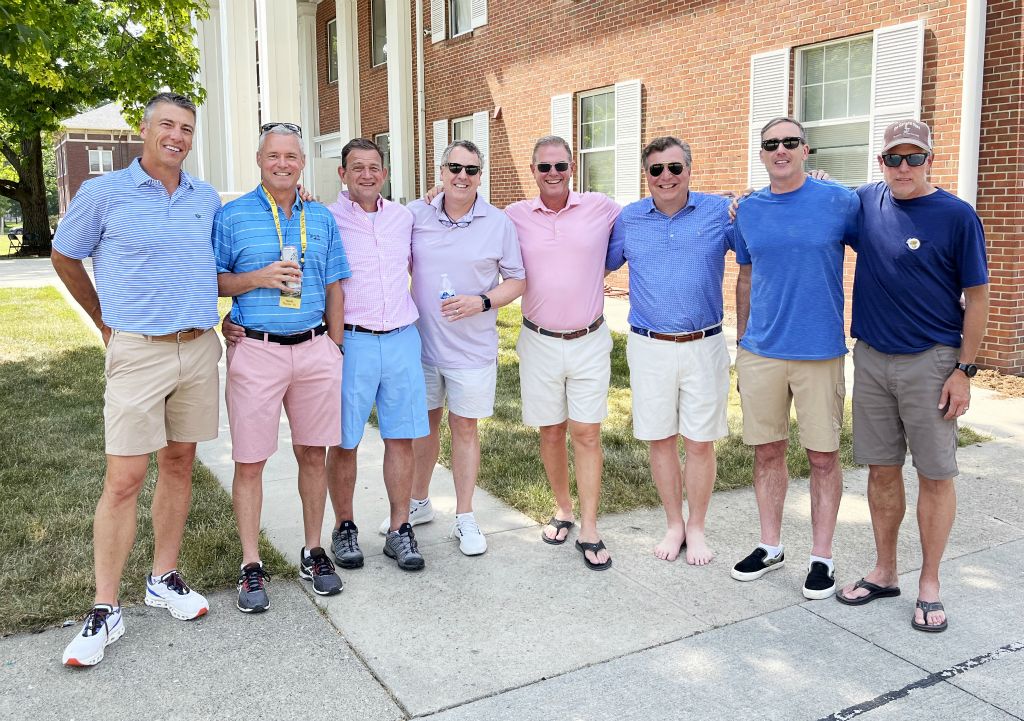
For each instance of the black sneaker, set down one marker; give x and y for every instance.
(401, 546)
(252, 594)
(757, 564)
(820, 583)
(345, 546)
(319, 569)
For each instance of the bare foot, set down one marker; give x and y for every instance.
(697, 551)
(878, 577)
(553, 534)
(671, 544)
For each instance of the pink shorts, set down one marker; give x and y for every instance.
(305, 377)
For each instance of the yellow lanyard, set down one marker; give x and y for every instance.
(277, 224)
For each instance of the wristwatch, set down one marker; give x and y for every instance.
(970, 370)
(487, 302)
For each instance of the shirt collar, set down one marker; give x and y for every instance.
(650, 207)
(141, 177)
(262, 197)
(574, 199)
(479, 207)
(346, 201)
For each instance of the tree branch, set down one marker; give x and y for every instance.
(10, 189)
(13, 158)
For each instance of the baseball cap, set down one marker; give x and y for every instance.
(912, 132)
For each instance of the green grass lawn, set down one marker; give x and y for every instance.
(51, 475)
(510, 465)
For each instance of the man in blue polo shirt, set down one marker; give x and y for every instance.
(919, 248)
(147, 229)
(789, 318)
(675, 243)
(282, 262)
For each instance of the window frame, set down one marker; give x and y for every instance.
(462, 120)
(451, 18)
(373, 38)
(582, 152)
(104, 154)
(332, 41)
(387, 162)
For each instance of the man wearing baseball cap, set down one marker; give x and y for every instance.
(919, 249)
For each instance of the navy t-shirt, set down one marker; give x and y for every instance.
(914, 258)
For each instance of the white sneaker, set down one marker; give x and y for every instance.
(472, 541)
(418, 513)
(102, 627)
(170, 592)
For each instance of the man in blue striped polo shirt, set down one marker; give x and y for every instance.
(147, 229)
(282, 261)
(675, 243)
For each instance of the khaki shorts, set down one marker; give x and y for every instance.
(896, 403)
(159, 391)
(769, 386)
(564, 379)
(468, 391)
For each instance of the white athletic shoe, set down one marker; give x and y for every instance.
(418, 513)
(472, 541)
(102, 627)
(170, 592)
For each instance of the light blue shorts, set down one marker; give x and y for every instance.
(384, 370)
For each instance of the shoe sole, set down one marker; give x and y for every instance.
(160, 603)
(254, 609)
(419, 567)
(348, 565)
(754, 575)
(93, 660)
(307, 577)
(386, 526)
(814, 595)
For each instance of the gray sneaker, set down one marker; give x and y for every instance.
(401, 546)
(345, 546)
(319, 569)
(252, 593)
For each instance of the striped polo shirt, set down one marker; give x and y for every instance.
(245, 239)
(152, 256)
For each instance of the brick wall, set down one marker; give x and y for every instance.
(76, 154)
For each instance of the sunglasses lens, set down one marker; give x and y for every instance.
(471, 169)
(915, 160)
(675, 168)
(544, 167)
(562, 166)
(770, 145)
(656, 169)
(791, 143)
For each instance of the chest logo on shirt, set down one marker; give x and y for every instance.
(198, 216)
(913, 243)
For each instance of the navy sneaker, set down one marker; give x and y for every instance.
(252, 592)
(317, 567)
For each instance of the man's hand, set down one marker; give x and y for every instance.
(956, 395)
(736, 198)
(278, 274)
(433, 193)
(304, 195)
(232, 331)
(462, 306)
(106, 333)
(819, 174)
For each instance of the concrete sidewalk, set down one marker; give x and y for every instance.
(526, 632)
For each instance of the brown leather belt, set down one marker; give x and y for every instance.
(677, 337)
(568, 335)
(181, 336)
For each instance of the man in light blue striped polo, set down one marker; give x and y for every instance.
(147, 229)
(282, 261)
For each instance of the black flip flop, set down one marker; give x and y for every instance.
(594, 548)
(558, 525)
(929, 607)
(874, 591)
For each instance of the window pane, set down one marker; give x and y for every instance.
(860, 58)
(598, 172)
(835, 101)
(587, 109)
(840, 150)
(837, 62)
(460, 16)
(332, 51)
(462, 130)
(812, 103)
(94, 161)
(380, 34)
(860, 96)
(108, 160)
(813, 60)
(587, 136)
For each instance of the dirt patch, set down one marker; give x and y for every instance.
(1006, 385)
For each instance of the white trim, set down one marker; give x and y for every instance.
(438, 13)
(581, 152)
(628, 120)
(482, 139)
(561, 121)
(897, 68)
(440, 144)
(769, 97)
(477, 13)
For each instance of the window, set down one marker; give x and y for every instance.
(100, 161)
(597, 141)
(834, 101)
(378, 33)
(383, 141)
(460, 16)
(332, 51)
(462, 129)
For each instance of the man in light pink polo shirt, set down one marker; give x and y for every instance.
(565, 345)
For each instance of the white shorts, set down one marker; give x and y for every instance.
(564, 379)
(469, 391)
(679, 387)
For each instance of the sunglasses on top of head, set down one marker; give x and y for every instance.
(457, 168)
(560, 166)
(674, 168)
(287, 126)
(772, 144)
(914, 160)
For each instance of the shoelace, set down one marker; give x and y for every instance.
(348, 540)
(95, 621)
(408, 542)
(253, 579)
(465, 526)
(175, 582)
(321, 565)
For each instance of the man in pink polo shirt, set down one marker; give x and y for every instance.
(565, 346)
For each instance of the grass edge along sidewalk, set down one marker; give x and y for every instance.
(51, 475)
(510, 464)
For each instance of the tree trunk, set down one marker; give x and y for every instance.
(36, 240)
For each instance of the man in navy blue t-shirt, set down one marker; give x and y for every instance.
(919, 248)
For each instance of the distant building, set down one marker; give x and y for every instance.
(95, 142)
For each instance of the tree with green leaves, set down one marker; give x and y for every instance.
(61, 57)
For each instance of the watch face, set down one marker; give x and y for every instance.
(971, 370)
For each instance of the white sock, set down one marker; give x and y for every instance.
(418, 502)
(773, 551)
(305, 552)
(468, 514)
(826, 561)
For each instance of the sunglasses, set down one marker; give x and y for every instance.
(914, 160)
(287, 126)
(456, 168)
(561, 167)
(674, 168)
(772, 144)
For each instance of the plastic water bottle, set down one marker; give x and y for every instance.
(447, 290)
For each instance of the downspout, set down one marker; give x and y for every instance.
(970, 109)
(421, 113)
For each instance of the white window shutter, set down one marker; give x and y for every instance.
(896, 82)
(437, 13)
(561, 119)
(478, 13)
(440, 145)
(482, 138)
(627, 141)
(769, 98)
